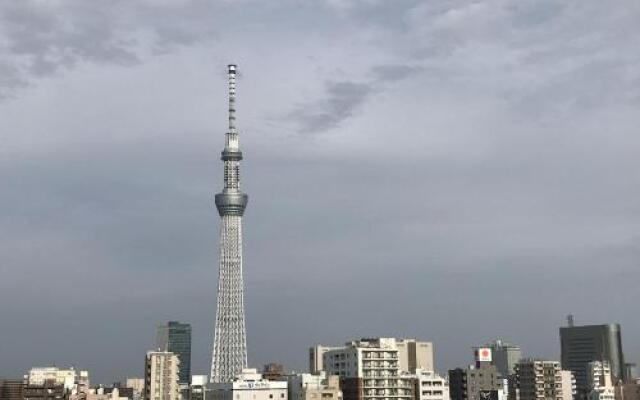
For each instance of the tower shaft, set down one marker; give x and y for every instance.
(229, 343)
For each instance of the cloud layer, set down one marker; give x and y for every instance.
(449, 170)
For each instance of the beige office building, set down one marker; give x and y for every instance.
(414, 355)
(161, 376)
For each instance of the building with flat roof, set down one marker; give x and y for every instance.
(369, 369)
(161, 376)
(314, 387)
(580, 345)
(248, 385)
(175, 337)
(536, 379)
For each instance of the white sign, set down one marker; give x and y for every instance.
(483, 354)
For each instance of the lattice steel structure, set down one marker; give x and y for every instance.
(229, 342)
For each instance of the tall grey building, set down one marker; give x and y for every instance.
(580, 345)
(176, 338)
(229, 343)
(505, 356)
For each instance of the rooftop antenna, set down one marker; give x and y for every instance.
(570, 320)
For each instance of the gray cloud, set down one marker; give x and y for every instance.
(474, 161)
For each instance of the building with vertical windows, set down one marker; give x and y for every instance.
(580, 345)
(176, 338)
(540, 380)
(316, 353)
(430, 386)
(161, 376)
(11, 389)
(369, 369)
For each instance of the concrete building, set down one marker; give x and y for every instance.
(48, 390)
(198, 387)
(582, 344)
(65, 377)
(11, 389)
(540, 380)
(479, 381)
(599, 381)
(137, 385)
(369, 369)
(505, 356)
(175, 337)
(161, 376)
(476, 382)
(316, 353)
(248, 385)
(414, 355)
(430, 386)
(274, 372)
(314, 387)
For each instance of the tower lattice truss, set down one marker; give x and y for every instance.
(229, 343)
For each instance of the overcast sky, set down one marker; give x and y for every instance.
(448, 170)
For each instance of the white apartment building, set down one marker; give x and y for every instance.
(599, 381)
(248, 385)
(314, 387)
(430, 386)
(369, 370)
(161, 376)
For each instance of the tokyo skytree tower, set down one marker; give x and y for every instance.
(229, 342)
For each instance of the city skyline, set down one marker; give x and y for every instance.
(472, 164)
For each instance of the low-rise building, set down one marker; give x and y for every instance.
(314, 387)
(430, 386)
(248, 385)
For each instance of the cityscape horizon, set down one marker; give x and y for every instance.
(428, 181)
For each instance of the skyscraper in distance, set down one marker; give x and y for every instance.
(229, 343)
(579, 345)
(176, 338)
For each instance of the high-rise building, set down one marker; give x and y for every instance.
(176, 338)
(582, 344)
(540, 380)
(369, 369)
(505, 356)
(247, 385)
(161, 376)
(314, 387)
(229, 344)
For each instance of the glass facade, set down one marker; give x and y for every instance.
(176, 338)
